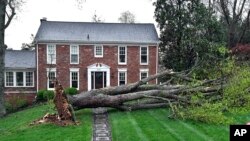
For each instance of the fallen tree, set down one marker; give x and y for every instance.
(145, 96)
(138, 95)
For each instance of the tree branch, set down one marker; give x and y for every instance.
(11, 16)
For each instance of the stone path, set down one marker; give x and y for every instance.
(101, 128)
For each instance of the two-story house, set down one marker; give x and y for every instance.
(94, 55)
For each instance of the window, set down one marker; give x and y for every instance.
(122, 76)
(144, 55)
(29, 78)
(19, 79)
(9, 79)
(74, 78)
(51, 54)
(51, 75)
(98, 51)
(74, 54)
(143, 73)
(122, 55)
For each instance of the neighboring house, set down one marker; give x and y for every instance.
(20, 73)
(94, 55)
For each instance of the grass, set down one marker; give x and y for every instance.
(15, 127)
(154, 125)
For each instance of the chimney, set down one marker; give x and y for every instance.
(43, 19)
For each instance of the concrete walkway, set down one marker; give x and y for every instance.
(101, 128)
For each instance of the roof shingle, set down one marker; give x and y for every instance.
(20, 59)
(87, 32)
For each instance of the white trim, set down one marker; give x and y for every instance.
(74, 70)
(122, 70)
(74, 45)
(52, 62)
(126, 54)
(37, 81)
(15, 92)
(98, 56)
(100, 43)
(147, 56)
(51, 69)
(14, 79)
(98, 67)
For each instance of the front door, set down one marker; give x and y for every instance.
(98, 79)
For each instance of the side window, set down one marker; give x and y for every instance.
(9, 79)
(143, 55)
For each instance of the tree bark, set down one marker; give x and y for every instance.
(2, 51)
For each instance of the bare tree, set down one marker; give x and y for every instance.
(96, 18)
(127, 17)
(235, 12)
(7, 12)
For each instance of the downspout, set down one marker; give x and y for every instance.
(37, 82)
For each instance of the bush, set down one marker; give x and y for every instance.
(39, 95)
(49, 94)
(43, 95)
(71, 91)
(15, 102)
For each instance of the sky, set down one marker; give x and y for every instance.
(27, 20)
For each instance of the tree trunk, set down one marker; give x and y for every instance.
(2, 51)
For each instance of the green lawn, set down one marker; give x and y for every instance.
(153, 125)
(15, 127)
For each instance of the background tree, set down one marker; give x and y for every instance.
(236, 13)
(29, 46)
(7, 13)
(127, 17)
(97, 18)
(188, 30)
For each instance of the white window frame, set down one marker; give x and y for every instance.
(47, 77)
(119, 62)
(77, 46)
(74, 70)
(122, 70)
(143, 71)
(147, 55)
(98, 56)
(14, 78)
(53, 59)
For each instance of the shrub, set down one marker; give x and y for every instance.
(71, 91)
(49, 94)
(15, 102)
(39, 95)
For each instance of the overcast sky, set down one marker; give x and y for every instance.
(28, 20)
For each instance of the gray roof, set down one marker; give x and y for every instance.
(87, 32)
(20, 59)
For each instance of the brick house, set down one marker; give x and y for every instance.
(94, 55)
(20, 74)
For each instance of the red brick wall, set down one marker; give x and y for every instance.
(86, 58)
